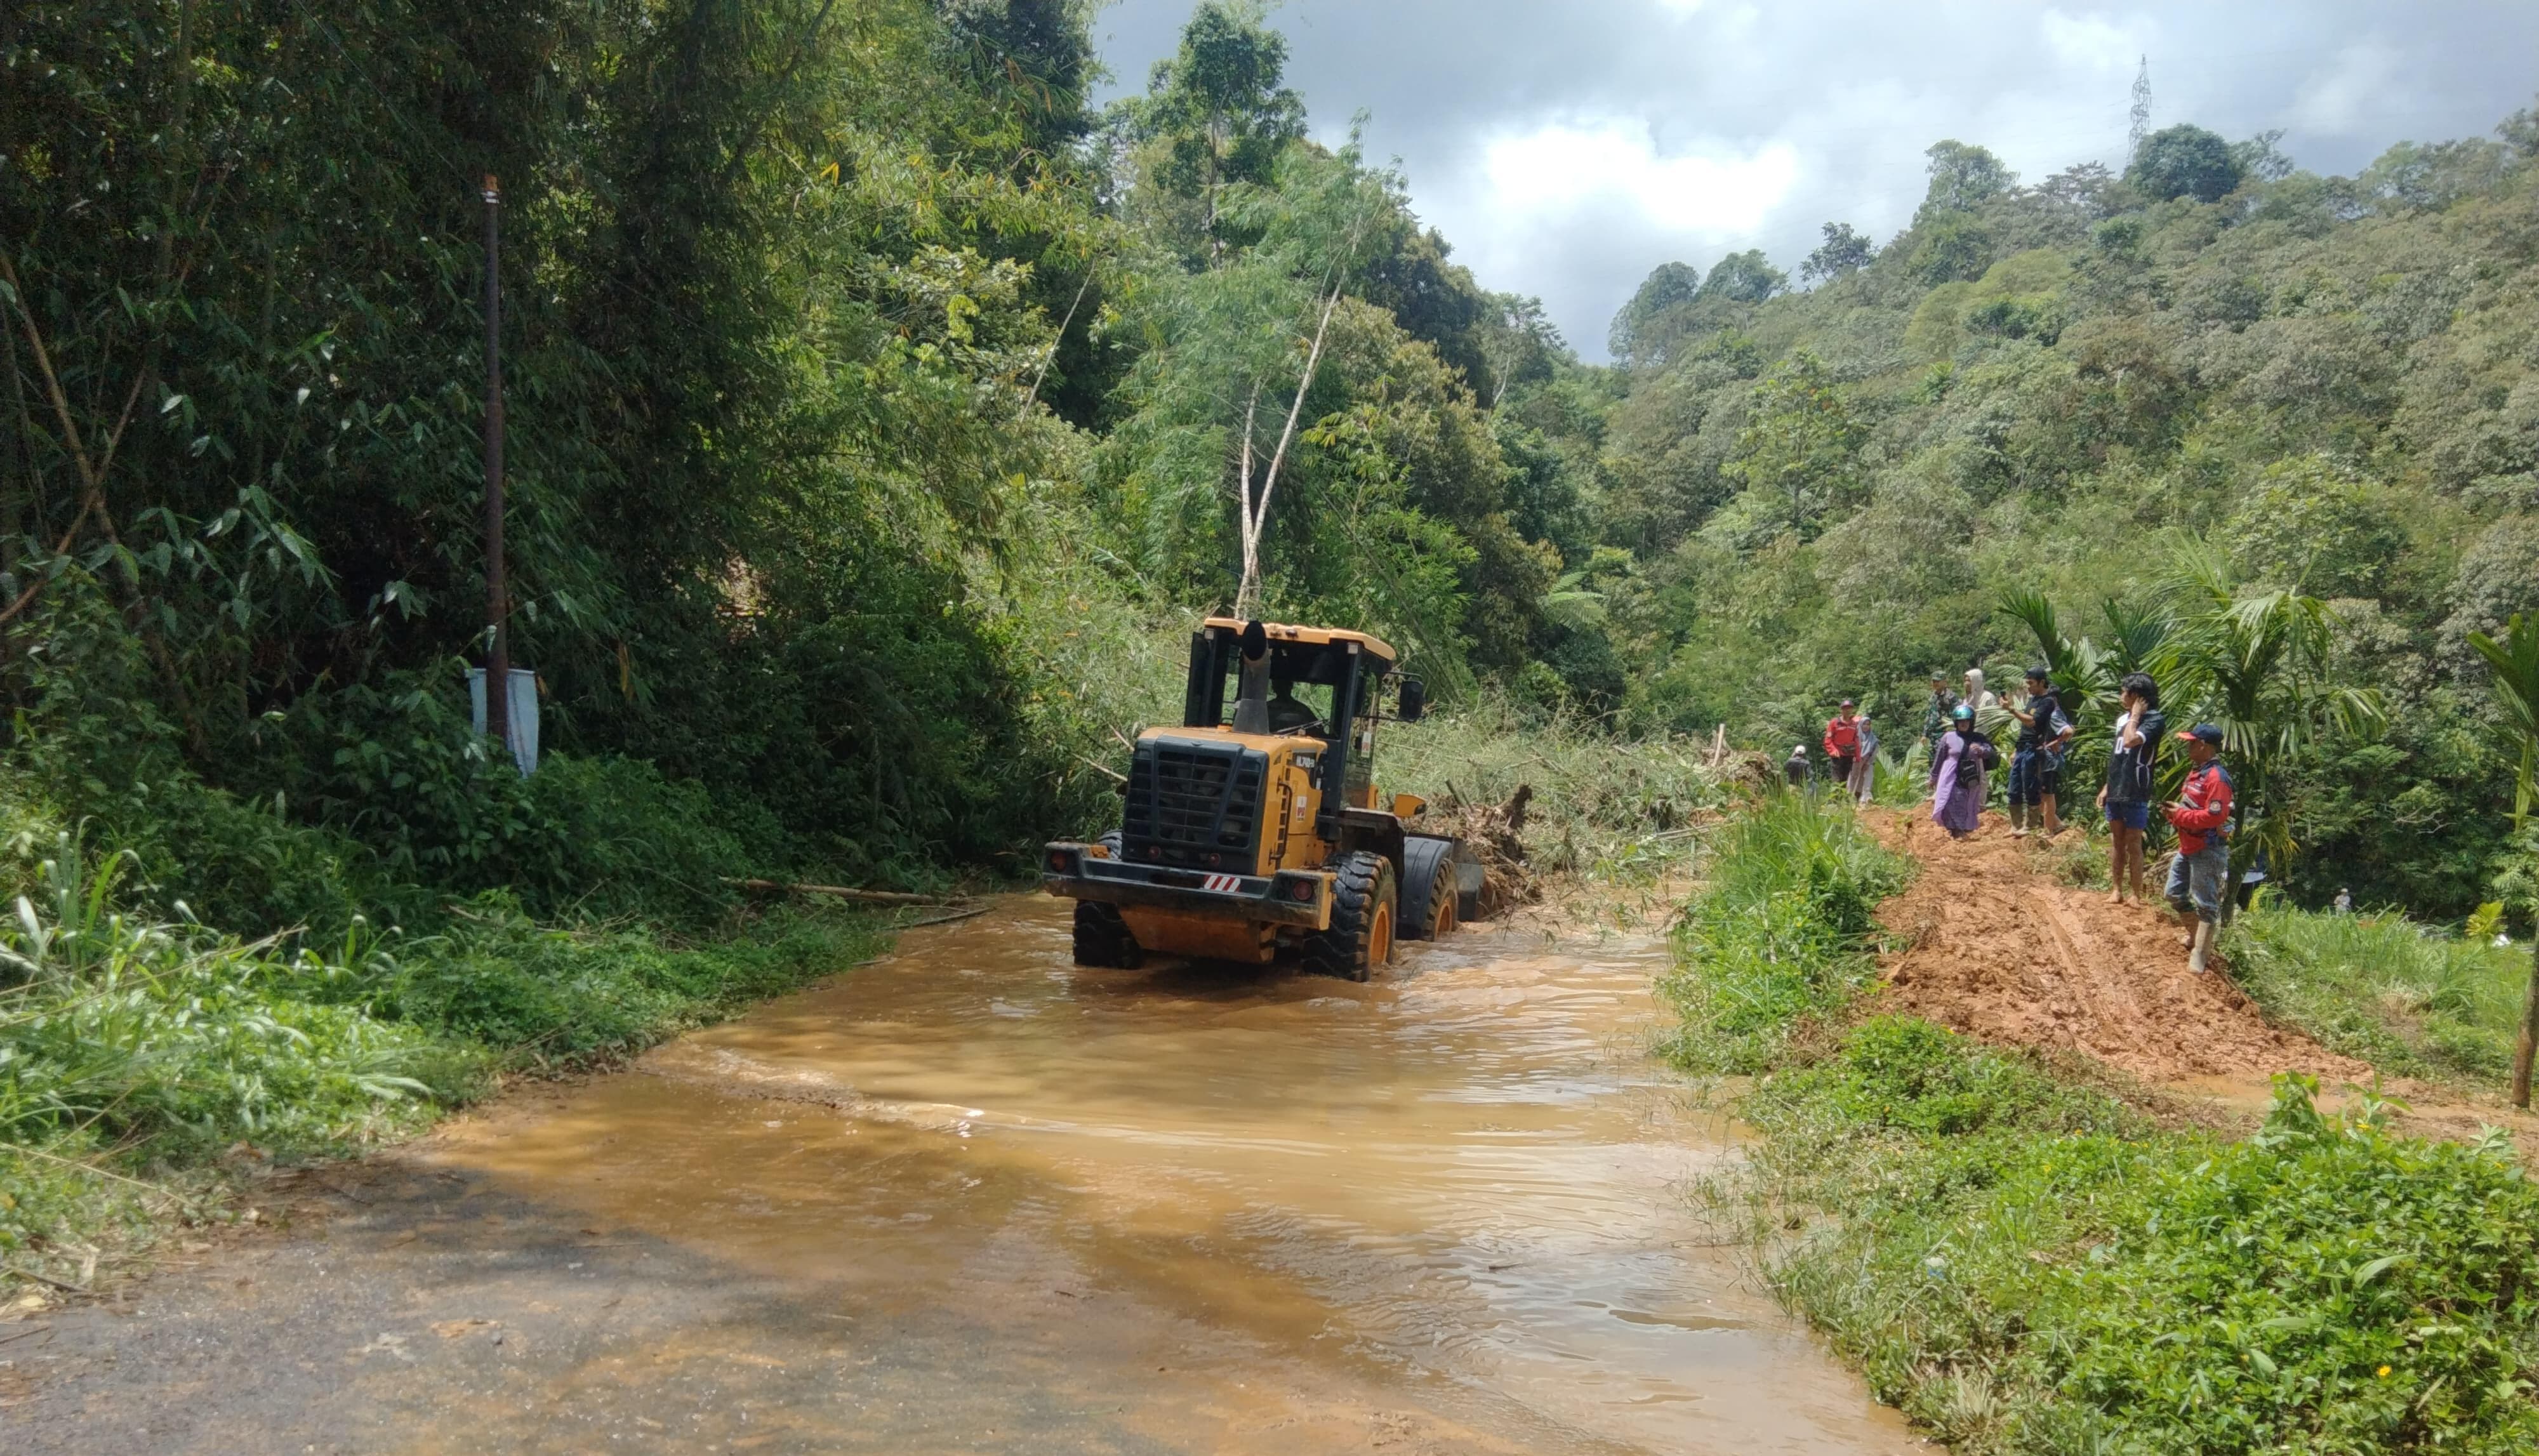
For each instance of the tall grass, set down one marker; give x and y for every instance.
(2413, 999)
(1604, 806)
(1778, 935)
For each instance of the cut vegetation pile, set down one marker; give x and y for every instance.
(2030, 1260)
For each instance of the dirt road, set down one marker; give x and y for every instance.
(972, 1199)
(1994, 948)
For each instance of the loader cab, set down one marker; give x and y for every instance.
(1321, 684)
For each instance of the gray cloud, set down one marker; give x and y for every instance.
(1567, 148)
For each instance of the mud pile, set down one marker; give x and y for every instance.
(1495, 833)
(1999, 949)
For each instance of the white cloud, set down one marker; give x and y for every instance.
(1563, 169)
(2345, 95)
(2091, 43)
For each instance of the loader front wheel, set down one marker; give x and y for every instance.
(1364, 903)
(1102, 938)
(1429, 885)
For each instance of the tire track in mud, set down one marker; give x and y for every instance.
(1995, 949)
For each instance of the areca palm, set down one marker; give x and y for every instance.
(2516, 664)
(2252, 660)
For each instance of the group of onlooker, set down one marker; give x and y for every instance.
(1963, 757)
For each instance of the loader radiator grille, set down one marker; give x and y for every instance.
(1194, 803)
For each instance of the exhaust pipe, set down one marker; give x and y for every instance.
(1252, 700)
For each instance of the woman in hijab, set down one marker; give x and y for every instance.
(1956, 792)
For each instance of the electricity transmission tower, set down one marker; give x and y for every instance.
(2141, 126)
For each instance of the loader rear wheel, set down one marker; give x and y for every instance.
(1430, 886)
(1363, 907)
(1102, 938)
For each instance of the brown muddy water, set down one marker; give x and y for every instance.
(970, 1198)
(1234, 1209)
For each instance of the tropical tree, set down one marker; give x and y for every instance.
(2253, 660)
(2185, 162)
(2516, 664)
(1802, 445)
(1217, 105)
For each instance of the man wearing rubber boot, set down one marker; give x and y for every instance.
(2199, 876)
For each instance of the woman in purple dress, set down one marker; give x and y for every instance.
(1956, 787)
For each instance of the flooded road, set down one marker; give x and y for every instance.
(972, 1198)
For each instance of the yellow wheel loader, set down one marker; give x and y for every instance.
(1258, 827)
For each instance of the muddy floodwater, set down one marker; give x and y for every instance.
(973, 1197)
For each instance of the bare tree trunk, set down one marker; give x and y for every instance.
(1247, 527)
(1258, 511)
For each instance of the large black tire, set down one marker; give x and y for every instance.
(1363, 914)
(1102, 938)
(1430, 902)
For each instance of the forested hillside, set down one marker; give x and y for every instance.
(2212, 379)
(880, 410)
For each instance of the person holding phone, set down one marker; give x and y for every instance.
(2132, 780)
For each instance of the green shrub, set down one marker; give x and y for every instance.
(2322, 1287)
(176, 1039)
(2027, 1265)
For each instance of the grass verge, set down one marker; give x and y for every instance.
(2415, 1001)
(2029, 1261)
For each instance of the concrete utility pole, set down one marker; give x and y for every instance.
(497, 651)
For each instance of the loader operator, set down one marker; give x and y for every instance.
(1288, 713)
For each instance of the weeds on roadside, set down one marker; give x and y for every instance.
(137, 1055)
(1779, 933)
(2413, 999)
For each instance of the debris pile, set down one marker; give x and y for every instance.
(1495, 832)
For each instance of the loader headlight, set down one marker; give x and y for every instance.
(1060, 862)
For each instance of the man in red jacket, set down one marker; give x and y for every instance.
(1842, 741)
(2200, 875)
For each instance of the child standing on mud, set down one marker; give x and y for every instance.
(2130, 780)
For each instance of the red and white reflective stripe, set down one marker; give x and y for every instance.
(1224, 883)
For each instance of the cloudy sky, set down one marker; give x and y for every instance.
(1566, 147)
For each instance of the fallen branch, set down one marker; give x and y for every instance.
(842, 892)
(28, 1273)
(945, 919)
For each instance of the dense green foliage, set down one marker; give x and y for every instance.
(2214, 372)
(2026, 1262)
(849, 350)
